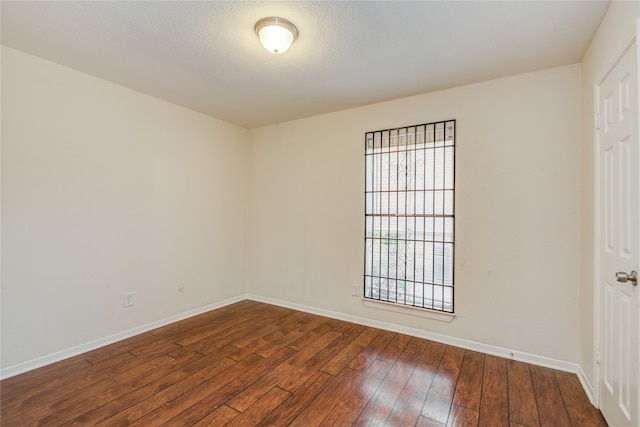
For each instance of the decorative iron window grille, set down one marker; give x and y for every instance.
(409, 215)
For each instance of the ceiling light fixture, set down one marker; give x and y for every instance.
(276, 34)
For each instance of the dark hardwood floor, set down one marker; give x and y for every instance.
(252, 364)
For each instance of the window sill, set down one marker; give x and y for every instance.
(406, 309)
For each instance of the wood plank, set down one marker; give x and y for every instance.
(210, 324)
(416, 346)
(551, 409)
(440, 397)
(107, 353)
(166, 395)
(302, 373)
(186, 352)
(522, 400)
(340, 325)
(218, 417)
(581, 411)
(315, 413)
(308, 338)
(370, 353)
(289, 409)
(348, 408)
(124, 401)
(60, 386)
(426, 422)
(69, 406)
(462, 417)
(355, 346)
(264, 337)
(232, 325)
(22, 383)
(252, 393)
(396, 346)
(494, 407)
(213, 319)
(382, 402)
(16, 389)
(284, 322)
(469, 388)
(86, 403)
(209, 340)
(261, 408)
(409, 404)
(290, 338)
(197, 403)
(154, 348)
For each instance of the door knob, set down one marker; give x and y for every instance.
(624, 277)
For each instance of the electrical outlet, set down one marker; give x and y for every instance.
(355, 290)
(128, 299)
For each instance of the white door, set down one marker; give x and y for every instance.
(619, 241)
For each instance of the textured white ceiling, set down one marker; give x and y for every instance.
(205, 55)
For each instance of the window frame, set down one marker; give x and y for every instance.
(441, 303)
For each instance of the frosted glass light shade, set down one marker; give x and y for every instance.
(276, 34)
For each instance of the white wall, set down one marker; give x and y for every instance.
(106, 190)
(616, 31)
(517, 210)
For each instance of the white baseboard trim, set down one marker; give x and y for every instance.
(587, 386)
(533, 359)
(48, 359)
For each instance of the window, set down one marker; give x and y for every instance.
(409, 215)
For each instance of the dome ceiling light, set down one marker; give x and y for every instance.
(276, 34)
